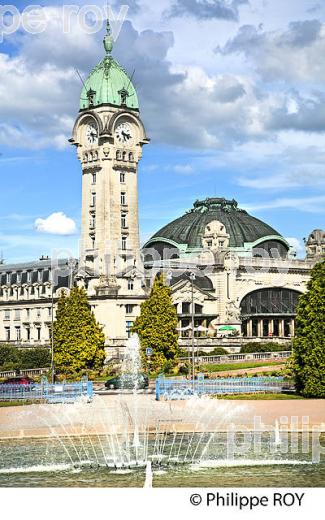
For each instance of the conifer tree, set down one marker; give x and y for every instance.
(156, 326)
(309, 343)
(78, 338)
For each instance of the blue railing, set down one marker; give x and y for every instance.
(44, 391)
(180, 388)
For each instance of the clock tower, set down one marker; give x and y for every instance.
(109, 136)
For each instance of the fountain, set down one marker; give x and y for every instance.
(277, 434)
(128, 439)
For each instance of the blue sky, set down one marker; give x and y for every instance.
(232, 95)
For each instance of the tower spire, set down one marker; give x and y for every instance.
(108, 40)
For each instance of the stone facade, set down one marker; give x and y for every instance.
(221, 269)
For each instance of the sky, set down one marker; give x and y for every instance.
(232, 95)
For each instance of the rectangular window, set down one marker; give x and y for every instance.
(8, 278)
(92, 222)
(93, 242)
(28, 333)
(94, 178)
(122, 177)
(7, 333)
(123, 221)
(18, 333)
(93, 200)
(129, 325)
(130, 285)
(124, 243)
(17, 314)
(38, 333)
(186, 308)
(129, 309)
(38, 312)
(49, 311)
(7, 314)
(123, 198)
(28, 313)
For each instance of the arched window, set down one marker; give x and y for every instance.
(118, 155)
(276, 301)
(131, 157)
(273, 248)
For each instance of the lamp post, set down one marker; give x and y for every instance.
(52, 334)
(192, 278)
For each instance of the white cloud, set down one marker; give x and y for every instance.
(291, 179)
(184, 169)
(293, 54)
(296, 244)
(56, 224)
(308, 204)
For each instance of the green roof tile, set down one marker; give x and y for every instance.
(189, 229)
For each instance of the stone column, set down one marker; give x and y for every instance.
(271, 328)
(260, 328)
(281, 328)
(250, 328)
(292, 327)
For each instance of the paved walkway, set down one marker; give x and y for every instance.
(107, 414)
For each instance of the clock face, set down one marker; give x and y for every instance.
(124, 133)
(91, 134)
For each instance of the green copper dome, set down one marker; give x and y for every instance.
(189, 229)
(108, 83)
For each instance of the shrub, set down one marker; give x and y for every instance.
(218, 351)
(14, 358)
(264, 347)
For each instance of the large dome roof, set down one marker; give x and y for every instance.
(108, 83)
(242, 227)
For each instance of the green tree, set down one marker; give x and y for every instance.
(78, 338)
(156, 327)
(309, 343)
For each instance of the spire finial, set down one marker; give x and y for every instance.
(108, 40)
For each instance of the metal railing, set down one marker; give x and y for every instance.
(46, 392)
(24, 372)
(239, 358)
(179, 388)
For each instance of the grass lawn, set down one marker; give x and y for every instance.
(239, 366)
(8, 404)
(260, 397)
